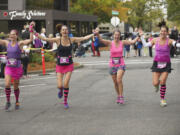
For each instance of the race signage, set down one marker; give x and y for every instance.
(115, 21)
(24, 14)
(114, 12)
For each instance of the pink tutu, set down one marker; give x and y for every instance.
(65, 68)
(15, 72)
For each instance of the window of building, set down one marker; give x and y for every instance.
(39, 4)
(47, 4)
(3, 4)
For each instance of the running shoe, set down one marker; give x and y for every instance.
(66, 106)
(121, 101)
(118, 100)
(60, 93)
(163, 103)
(156, 88)
(17, 105)
(7, 106)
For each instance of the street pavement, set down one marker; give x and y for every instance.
(93, 110)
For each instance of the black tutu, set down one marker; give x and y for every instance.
(168, 68)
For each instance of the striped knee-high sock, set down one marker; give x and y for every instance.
(8, 94)
(16, 93)
(163, 91)
(66, 91)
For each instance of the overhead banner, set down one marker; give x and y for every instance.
(28, 15)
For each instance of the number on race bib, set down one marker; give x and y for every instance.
(161, 65)
(12, 62)
(116, 60)
(64, 60)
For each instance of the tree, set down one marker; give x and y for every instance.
(173, 8)
(100, 8)
(143, 12)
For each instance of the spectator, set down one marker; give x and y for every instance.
(25, 59)
(96, 43)
(49, 44)
(37, 43)
(80, 51)
(173, 35)
(25, 32)
(135, 33)
(93, 48)
(145, 48)
(127, 47)
(43, 34)
(150, 47)
(139, 47)
(2, 60)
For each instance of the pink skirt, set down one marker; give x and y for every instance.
(15, 72)
(65, 68)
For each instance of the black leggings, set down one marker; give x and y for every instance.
(25, 62)
(2, 69)
(150, 52)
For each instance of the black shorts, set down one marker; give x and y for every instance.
(168, 68)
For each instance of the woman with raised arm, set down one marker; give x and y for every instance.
(162, 64)
(64, 67)
(13, 67)
(116, 63)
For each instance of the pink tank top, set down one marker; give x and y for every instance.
(116, 55)
(162, 52)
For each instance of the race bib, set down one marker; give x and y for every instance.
(116, 60)
(161, 65)
(12, 62)
(64, 60)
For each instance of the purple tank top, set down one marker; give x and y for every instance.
(162, 52)
(14, 52)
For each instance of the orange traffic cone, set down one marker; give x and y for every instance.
(12, 81)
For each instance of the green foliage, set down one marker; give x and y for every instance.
(101, 8)
(49, 57)
(32, 65)
(138, 13)
(35, 57)
(2, 35)
(173, 8)
(143, 11)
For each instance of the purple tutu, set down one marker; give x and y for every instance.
(15, 72)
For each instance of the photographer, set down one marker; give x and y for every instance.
(2, 60)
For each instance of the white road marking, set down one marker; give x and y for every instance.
(127, 63)
(3, 95)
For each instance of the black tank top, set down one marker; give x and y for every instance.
(64, 54)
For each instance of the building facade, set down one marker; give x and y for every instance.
(14, 14)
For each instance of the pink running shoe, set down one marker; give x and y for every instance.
(121, 101)
(118, 100)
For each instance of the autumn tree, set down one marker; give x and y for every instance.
(101, 8)
(144, 12)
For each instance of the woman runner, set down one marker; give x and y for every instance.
(116, 63)
(13, 67)
(162, 64)
(64, 67)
